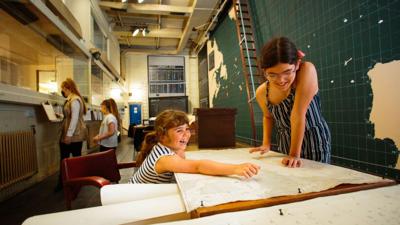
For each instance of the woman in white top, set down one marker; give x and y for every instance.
(108, 134)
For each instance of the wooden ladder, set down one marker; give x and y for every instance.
(251, 69)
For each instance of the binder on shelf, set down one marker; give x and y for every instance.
(88, 115)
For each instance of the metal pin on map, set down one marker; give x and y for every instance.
(201, 203)
(280, 212)
(299, 190)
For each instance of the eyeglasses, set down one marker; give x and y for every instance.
(274, 76)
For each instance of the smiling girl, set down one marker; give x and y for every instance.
(163, 153)
(289, 100)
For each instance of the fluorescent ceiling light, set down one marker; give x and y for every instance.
(144, 32)
(123, 0)
(140, 1)
(135, 32)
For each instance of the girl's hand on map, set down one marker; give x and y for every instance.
(247, 170)
(292, 162)
(262, 149)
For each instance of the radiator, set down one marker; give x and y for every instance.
(17, 157)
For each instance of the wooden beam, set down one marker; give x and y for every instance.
(162, 33)
(154, 9)
(150, 51)
(149, 42)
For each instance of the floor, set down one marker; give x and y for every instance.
(42, 197)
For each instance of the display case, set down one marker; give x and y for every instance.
(166, 76)
(157, 105)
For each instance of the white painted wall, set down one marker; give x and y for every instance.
(137, 80)
(192, 78)
(82, 10)
(114, 53)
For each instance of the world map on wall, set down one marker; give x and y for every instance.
(385, 109)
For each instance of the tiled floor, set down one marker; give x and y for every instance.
(42, 199)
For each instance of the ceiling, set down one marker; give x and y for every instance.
(172, 26)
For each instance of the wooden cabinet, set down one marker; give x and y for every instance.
(215, 127)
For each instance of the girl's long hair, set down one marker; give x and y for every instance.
(166, 120)
(70, 85)
(278, 50)
(114, 111)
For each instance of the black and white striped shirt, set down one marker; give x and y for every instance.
(317, 137)
(147, 171)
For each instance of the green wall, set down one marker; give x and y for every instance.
(330, 33)
(232, 88)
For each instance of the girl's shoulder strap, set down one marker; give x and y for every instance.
(266, 92)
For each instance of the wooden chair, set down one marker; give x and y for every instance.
(96, 169)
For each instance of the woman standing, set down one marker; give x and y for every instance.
(290, 100)
(73, 129)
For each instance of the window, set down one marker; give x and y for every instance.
(166, 76)
(98, 38)
(34, 54)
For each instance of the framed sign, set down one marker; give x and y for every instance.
(46, 81)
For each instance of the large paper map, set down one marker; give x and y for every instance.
(273, 179)
(351, 208)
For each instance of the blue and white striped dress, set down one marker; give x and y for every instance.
(317, 137)
(147, 173)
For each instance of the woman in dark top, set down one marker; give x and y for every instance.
(290, 100)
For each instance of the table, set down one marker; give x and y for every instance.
(275, 184)
(368, 207)
(253, 204)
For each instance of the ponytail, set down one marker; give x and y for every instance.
(114, 111)
(149, 141)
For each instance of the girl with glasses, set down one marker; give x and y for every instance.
(289, 100)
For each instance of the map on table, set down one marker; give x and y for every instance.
(273, 179)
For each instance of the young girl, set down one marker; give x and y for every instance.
(108, 134)
(163, 153)
(289, 98)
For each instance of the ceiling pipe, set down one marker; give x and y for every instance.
(204, 37)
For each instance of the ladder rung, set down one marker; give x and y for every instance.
(251, 57)
(251, 33)
(251, 66)
(246, 25)
(243, 4)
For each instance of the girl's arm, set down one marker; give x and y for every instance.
(110, 132)
(75, 109)
(176, 164)
(267, 120)
(306, 88)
